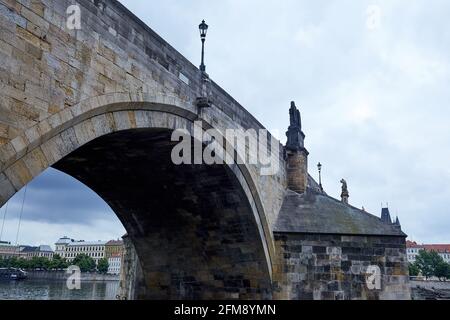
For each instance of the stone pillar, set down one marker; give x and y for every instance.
(344, 197)
(297, 155)
(131, 283)
(297, 170)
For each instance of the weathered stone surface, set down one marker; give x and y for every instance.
(192, 225)
(315, 212)
(6, 188)
(71, 75)
(334, 267)
(90, 102)
(297, 165)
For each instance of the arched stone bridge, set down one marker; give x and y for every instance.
(100, 103)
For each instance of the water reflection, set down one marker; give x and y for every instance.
(57, 290)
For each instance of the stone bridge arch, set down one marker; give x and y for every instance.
(216, 242)
(71, 96)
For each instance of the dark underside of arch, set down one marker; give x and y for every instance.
(192, 225)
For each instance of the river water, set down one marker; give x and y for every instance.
(57, 290)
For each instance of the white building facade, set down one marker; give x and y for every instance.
(69, 249)
(115, 263)
(412, 250)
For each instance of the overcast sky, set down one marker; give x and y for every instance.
(371, 78)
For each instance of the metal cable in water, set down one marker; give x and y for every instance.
(21, 212)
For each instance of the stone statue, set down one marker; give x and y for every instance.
(294, 113)
(344, 195)
(296, 137)
(344, 185)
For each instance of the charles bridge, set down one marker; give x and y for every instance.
(100, 102)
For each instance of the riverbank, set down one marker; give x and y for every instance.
(57, 290)
(430, 290)
(62, 275)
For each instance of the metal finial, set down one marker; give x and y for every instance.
(319, 167)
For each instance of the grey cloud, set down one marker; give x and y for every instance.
(57, 198)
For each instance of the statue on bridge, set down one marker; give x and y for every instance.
(295, 135)
(295, 119)
(345, 194)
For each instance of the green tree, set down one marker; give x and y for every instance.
(86, 263)
(103, 265)
(12, 262)
(58, 262)
(428, 262)
(442, 270)
(39, 263)
(22, 263)
(413, 270)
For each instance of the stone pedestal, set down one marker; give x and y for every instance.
(297, 170)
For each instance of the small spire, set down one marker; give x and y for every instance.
(386, 216)
(397, 222)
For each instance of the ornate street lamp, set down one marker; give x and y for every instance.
(319, 166)
(203, 27)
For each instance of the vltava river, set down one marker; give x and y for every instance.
(57, 290)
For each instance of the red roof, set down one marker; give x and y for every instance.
(429, 247)
(117, 254)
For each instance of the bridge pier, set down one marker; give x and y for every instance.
(99, 103)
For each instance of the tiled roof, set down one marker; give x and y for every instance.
(41, 248)
(87, 243)
(30, 249)
(114, 243)
(429, 247)
(72, 242)
(45, 248)
(64, 240)
(314, 212)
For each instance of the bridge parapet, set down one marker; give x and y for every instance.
(61, 89)
(49, 71)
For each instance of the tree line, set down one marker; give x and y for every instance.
(83, 261)
(430, 264)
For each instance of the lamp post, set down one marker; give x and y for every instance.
(203, 27)
(319, 166)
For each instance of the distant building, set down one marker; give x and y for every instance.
(41, 251)
(412, 250)
(7, 251)
(115, 263)
(69, 248)
(113, 247)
